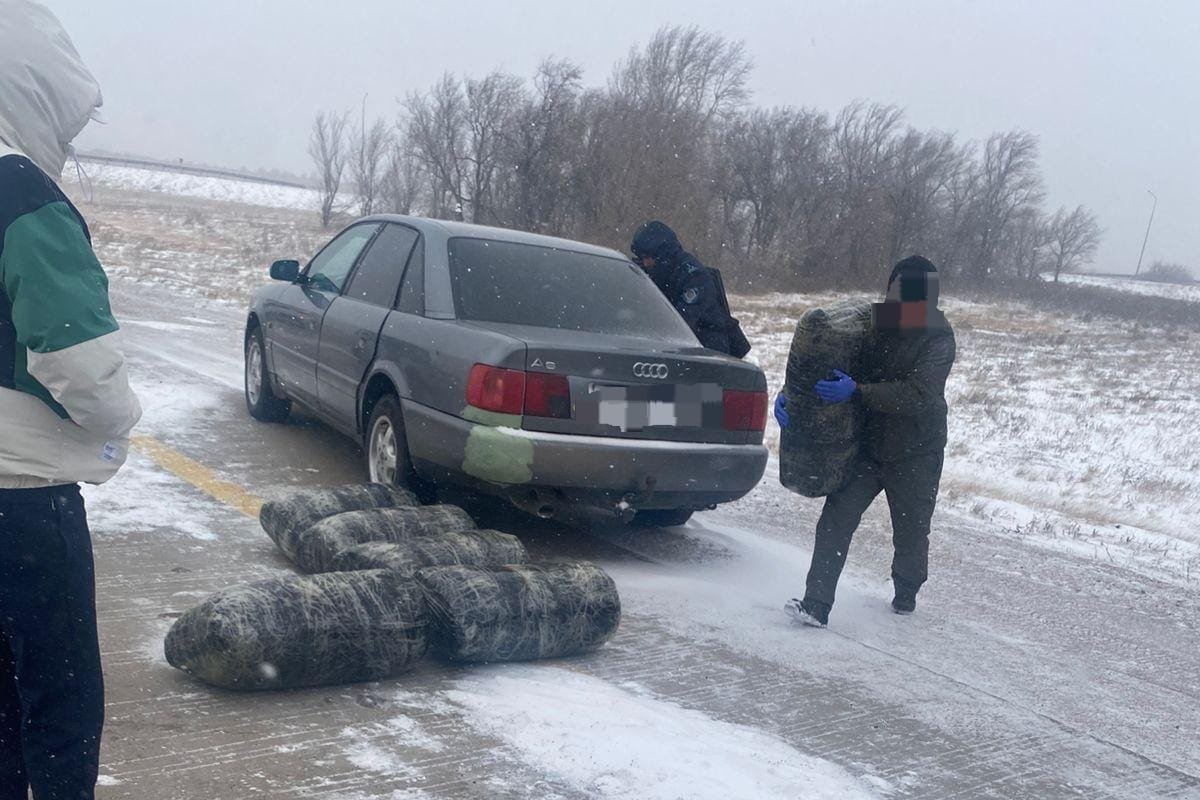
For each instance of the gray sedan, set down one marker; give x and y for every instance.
(549, 372)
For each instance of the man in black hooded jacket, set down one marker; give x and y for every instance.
(902, 392)
(696, 291)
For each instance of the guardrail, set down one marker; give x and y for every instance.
(188, 169)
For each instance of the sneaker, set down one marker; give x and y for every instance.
(808, 612)
(904, 603)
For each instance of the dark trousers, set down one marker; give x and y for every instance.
(51, 687)
(911, 486)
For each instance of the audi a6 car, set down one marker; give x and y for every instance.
(546, 371)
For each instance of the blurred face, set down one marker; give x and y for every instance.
(912, 288)
(647, 263)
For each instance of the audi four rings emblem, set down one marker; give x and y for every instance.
(644, 370)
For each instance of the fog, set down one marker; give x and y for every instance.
(1109, 87)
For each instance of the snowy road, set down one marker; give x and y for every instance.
(1026, 673)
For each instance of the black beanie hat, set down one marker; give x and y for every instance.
(913, 265)
(918, 279)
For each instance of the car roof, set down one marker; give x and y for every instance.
(447, 229)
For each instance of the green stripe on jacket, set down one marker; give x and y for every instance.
(58, 290)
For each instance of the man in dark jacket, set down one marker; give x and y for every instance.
(696, 291)
(902, 391)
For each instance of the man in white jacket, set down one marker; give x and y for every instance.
(66, 411)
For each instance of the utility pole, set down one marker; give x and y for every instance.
(1148, 224)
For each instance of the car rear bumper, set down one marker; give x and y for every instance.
(590, 469)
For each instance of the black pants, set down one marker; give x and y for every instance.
(911, 486)
(51, 687)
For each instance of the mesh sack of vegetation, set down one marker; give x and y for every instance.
(303, 631)
(819, 445)
(319, 545)
(520, 612)
(469, 548)
(286, 518)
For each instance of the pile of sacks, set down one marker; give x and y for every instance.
(818, 447)
(388, 578)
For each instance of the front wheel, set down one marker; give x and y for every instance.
(388, 461)
(261, 401)
(662, 517)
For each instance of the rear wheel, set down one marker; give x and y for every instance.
(261, 401)
(388, 461)
(662, 517)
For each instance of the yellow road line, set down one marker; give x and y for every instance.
(199, 476)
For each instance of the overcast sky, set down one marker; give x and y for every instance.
(1111, 88)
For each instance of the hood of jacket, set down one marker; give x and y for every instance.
(656, 240)
(47, 94)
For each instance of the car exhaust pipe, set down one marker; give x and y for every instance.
(625, 510)
(534, 502)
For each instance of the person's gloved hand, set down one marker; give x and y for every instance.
(781, 414)
(838, 390)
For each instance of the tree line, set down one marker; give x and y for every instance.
(779, 198)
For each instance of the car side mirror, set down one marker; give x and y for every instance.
(286, 270)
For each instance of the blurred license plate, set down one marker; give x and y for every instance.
(634, 408)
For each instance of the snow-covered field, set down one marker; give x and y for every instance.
(1074, 435)
(1122, 283)
(204, 187)
(204, 237)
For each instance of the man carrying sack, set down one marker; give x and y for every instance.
(902, 394)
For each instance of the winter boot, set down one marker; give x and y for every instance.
(905, 601)
(808, 612)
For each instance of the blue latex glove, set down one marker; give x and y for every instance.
(781, 414)
(836, 391)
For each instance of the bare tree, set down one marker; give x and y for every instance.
(435, 134)
(921, 166)
(327, 148)
(1027, 242)
(862, 140)
(491, 102)
(1073, 238)
(650, 138)
(368, 162)
(685, 69)
(544, 139)
(400, 184)
(1008, 181)
(775, 167)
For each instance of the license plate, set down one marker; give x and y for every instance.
(635, 408)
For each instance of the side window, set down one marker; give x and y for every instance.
(412, 293)
(377, 278)
(327, 272)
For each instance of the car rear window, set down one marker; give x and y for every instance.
(523, 284)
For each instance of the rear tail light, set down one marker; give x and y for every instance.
(496, 389)
(510, 391)
(745, 411)
(547, 395)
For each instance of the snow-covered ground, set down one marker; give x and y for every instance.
(205, 187)
(1074, 435)
(1124, 283)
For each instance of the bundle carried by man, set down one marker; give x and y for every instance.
(821, 441)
